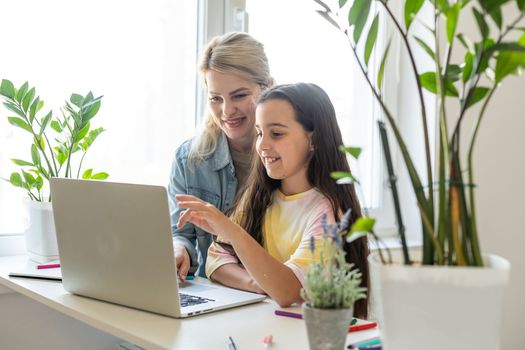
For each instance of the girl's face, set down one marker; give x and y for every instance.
(231, 100)
(283, 145)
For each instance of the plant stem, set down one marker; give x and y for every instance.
(35, 137)
(424, 120)
(475, 241)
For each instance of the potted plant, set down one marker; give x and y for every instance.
(331, 287)
(439, 297)
(51, 155)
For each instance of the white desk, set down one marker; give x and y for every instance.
(247, 325)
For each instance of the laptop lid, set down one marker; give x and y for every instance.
(115, 244)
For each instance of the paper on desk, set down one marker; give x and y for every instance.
(29, 270)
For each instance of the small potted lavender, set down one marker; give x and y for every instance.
(331, 287)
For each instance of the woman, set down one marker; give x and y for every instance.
(214, 165)
(290, 195)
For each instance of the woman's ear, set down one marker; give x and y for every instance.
(310, 138)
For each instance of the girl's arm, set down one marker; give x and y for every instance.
(275, 278)
(235, 276)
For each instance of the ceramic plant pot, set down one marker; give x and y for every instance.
(326, 328)
(439, 307)
(40, 234)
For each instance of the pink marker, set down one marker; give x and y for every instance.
(47, 266)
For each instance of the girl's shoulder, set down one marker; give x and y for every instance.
(310, 201)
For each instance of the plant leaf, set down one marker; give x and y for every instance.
(20, 123)
(100, 176)
(77, 100)
(21, 162)
(353, 151)
(13, 108)
(16, 180)
(452, 14)
(521, 5)
(28, 98)
(496, 16)
(371, 39)
(477, 95)
(327, 17)
(428, 82)
(44, 123)
(342, 3)
(358, 16)
(468, 68)
(21, 92)
(7, 89)
(482, 24)
(453, 72)
(363, 224)
(35, 155)
(56, 126)
(412, 7)
(87, 174)
(89, 139)
(465, 41)
(381, 72)
(33, 109)
(508, 62)
(327, 9)
(29, 179)
(491, 5)
(343, 177)
(82, 132)
(425, 47)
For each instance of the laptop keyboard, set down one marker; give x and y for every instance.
(190, 300)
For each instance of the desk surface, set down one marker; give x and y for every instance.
(247, 325)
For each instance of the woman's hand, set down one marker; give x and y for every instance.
(204, 215)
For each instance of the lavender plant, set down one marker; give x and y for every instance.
(332, 283)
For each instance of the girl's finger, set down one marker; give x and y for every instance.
(192, 205)
(184, 217)
(187, 197)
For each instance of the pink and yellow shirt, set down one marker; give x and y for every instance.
(288, 225)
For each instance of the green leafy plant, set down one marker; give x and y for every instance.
(51, 156)
(332, 283)
(446, 202)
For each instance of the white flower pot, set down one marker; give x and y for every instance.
(439, 307)
(40, 234)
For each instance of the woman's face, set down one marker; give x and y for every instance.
(231, 100)
(283, 145)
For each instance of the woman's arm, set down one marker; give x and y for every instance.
(275, 278)
(184, 238)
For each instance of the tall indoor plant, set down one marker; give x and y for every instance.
(445, 194)
(54, 141)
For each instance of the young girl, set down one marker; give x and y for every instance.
(288, 192)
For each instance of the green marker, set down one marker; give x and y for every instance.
(375, 341)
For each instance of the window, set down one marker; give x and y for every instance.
(302, 46)
(141, 55)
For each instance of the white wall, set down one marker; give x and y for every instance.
(500, 168)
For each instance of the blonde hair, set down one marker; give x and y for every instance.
(232, 53)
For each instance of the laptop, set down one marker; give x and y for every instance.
(115, 245)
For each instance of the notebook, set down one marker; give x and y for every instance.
(115, 244)
(30, 270)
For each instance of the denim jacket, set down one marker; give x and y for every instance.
(212, 180)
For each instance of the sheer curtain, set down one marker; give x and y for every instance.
(141, 55)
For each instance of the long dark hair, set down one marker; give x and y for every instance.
(315, 112)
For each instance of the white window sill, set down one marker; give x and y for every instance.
(12, 244)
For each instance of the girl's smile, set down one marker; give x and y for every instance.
(283, 145)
